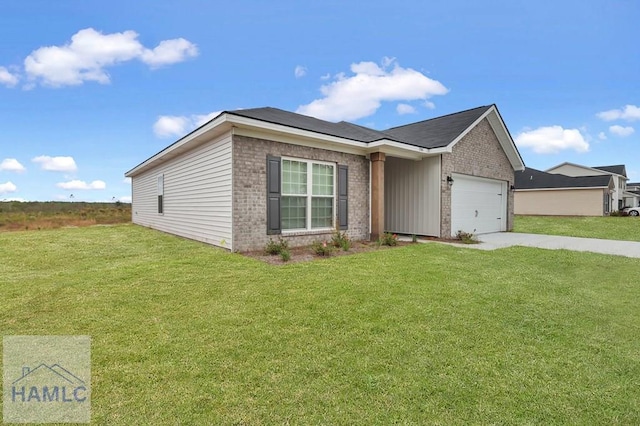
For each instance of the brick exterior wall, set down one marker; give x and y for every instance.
(478, 154)
(250, 197)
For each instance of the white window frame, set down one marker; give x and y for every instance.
(309, 195)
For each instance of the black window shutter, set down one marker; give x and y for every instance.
(343, 197)
(273, 195)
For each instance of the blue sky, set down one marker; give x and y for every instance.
(89, 89)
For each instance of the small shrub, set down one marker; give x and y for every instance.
(321, 248)
(276, 247)
(466, 237)
(616, 213)
(285, 255)
(388, 239)
(341, 240)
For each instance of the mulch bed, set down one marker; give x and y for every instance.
(306, 254)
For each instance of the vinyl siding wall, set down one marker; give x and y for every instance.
(412, 196)
(197, 195)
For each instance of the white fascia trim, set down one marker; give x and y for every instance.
(505, 139)
(279, 128)
(251, 127)
(379, 145)
(561, 189)
(180, 145)
(300, 141)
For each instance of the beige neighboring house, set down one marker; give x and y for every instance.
(548, 194)
(620, 197)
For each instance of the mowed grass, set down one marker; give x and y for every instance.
(605, 227)
(183, 333)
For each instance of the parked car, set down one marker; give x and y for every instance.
(631, 211)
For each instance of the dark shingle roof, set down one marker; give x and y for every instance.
(617, 169)
(536, 179)
(437, 132)
(433, 133)
(303, 122)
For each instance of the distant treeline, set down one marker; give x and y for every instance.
(17, 215)
(57, 206)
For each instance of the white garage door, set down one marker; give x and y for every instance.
(478, 205)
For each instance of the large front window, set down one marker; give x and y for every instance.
(308, 192)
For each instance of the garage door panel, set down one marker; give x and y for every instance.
(478, 205)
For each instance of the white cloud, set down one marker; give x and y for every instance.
(405, 109)
(628, 112)
(360, 95)
(170, 125)
(602, 136)
(125, 199)
(621, 131)
(300, 71)
(429, 104)
(12, 165)
(20, 199)
(79, 184)
(56, 164)
(127, 180)
(7, 187)
(552, 139)
(6, 78)
(169, 52)
(178, 125)
(327, 76)
(90, 52)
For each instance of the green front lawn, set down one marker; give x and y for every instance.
(183, 333)
(606, 227)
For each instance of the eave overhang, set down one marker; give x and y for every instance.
(226, 122)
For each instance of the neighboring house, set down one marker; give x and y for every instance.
(618, 172)
(632, 195)
(542, 193)
(249, 175)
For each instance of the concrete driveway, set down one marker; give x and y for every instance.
(553, 242)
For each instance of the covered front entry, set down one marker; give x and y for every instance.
(412, 196)
(478, 205)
